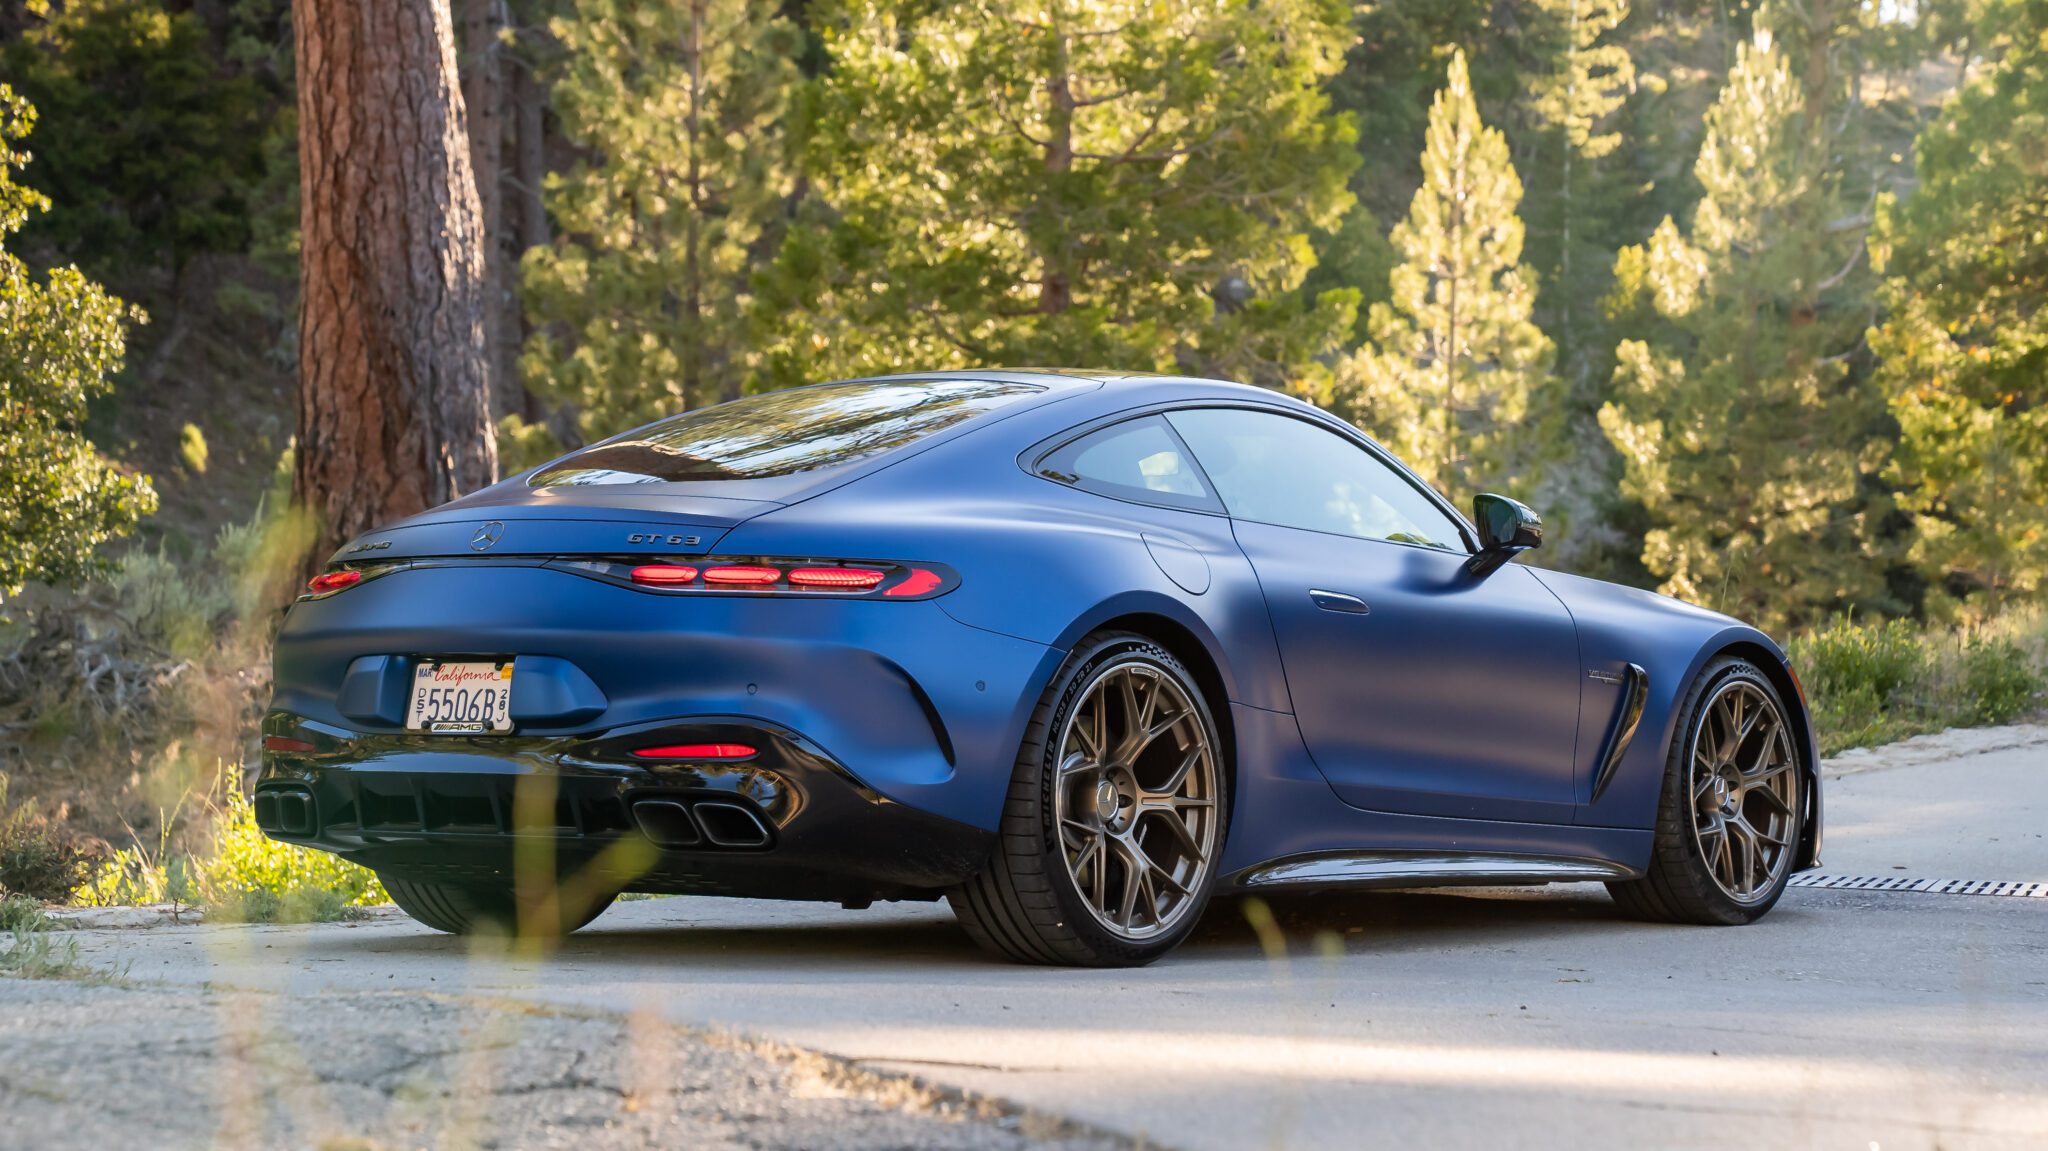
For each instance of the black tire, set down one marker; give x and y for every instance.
(1679, 886)
(480, 909)
(1024, 905)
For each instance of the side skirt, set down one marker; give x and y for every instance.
(1366, 869)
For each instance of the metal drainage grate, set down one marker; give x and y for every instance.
(2007, 887)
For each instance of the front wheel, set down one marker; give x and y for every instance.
(1728, 822)
(1114, 823)
(490, 909)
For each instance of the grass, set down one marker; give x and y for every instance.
(244, 876)
(28, 950)
(1884, 680)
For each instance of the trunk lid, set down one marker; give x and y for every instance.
(557, 522)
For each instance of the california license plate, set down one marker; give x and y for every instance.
(460, 698)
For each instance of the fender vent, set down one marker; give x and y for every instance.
(2007, 887)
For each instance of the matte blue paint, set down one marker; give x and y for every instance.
(1457, 715)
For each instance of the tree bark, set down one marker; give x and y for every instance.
(394, 407)
(529, 177)
(483, 98)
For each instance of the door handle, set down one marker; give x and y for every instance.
(1338, 601)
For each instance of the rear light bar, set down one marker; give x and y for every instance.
(680, 751)
(771, 575)
(337, 580)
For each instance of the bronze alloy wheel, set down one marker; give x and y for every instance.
(1113, 828)
(1745, 791)
(1729, 817)
(1135, 799)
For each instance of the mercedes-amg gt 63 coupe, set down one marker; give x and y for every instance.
(1074, 651)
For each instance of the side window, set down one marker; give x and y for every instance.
(1139, 460)
(1274, 469)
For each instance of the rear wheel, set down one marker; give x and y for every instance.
(1728, 821)
(493, 909)
(1115, 818)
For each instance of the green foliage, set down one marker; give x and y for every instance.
(641, 309)
(192, 448)
(1965, 344)
(1743, 435)
(1455, 359)
(161, 138)
(1999, 681)
(1589, 78)
(39, 857)
(1875, 681)
(1120, 184)
(21, 913)
(60, 341)
(244, 876)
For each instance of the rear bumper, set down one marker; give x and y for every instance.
(790, 823)
(923, 710)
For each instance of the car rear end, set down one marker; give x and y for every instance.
(569, 674)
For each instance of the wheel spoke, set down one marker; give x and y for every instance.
(1178, 824)
(1104, 811)
(1772, 798)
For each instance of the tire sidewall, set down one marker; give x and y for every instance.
(1081, 669)
(1678, 790)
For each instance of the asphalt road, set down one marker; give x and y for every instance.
(1531, 1018)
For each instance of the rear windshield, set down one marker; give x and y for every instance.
(782, 433)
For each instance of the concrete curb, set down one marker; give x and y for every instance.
(1954, 743)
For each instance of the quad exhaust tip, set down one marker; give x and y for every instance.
(285, 810)
(674, 822)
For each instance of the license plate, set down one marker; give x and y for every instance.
(460, 698)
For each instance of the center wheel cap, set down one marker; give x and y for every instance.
(1105, 800)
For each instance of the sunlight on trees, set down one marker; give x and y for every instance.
(60, 342)
(1965, 347)
(1454, 358)
(1115, 184)
(642, 308)
(1742, 434)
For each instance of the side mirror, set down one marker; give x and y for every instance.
(1506, 528)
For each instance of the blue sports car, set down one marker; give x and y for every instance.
(1073, 650)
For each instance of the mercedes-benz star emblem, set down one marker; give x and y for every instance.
(487, 536)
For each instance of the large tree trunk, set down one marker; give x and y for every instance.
(483, 97)
(394, 407)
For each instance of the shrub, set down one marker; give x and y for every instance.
(245, 876)
(1875, 660)
(1998, 682)
(255, 878)
(38, 857)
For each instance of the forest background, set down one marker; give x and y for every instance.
(1746, 299)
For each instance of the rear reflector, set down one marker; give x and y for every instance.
(698, 751)
(286, 743)
(663, 574)
(742, 575)
(327, 582)
(920, 581)
(834, 577)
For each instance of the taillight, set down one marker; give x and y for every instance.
(664, 575)
(286, 744)
(742, 575)
(816, 577)
(327, 583)
(834, 577)
(697, 751)
(922, 581)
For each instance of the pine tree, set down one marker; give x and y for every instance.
(640, 306)
(1454, 357)
(1116, 183)
(1743, 435)
(1591, 77)
(1965, 344)
(60, 341)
